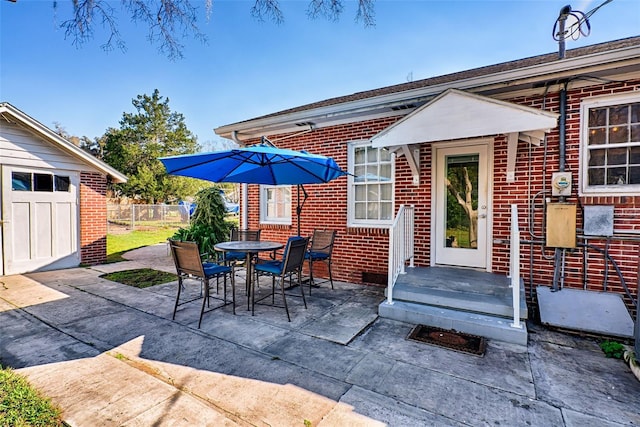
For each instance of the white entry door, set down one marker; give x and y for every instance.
(39, 219)
(461, 205)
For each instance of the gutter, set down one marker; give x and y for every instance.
(334, 113)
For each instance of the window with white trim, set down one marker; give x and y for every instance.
(610, 162)
(275, 204)
(371, 185)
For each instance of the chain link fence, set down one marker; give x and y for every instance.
(145, 217)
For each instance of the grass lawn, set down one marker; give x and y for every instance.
(141, 277)
(22, 406)
(117, 244)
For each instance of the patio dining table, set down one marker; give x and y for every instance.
(251, 248)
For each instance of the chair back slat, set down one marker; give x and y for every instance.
(323, 241)
(245, 235)
(295, 250)
(186, 256)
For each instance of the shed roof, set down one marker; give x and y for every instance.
(11, 113)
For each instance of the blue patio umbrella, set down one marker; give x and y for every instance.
(259, 164)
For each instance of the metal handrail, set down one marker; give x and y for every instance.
(514, 266)
(401, 246)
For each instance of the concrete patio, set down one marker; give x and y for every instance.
(110, 354)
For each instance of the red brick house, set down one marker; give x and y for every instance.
(53, 197)
(555, 137)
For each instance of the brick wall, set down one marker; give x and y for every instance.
(93, 218)
(361, 250)
(582, 269)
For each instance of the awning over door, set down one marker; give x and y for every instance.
(455, 114)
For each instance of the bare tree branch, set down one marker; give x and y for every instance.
(329, 9)
(366, 13)
(170, 21)
(85, 13)
(269, 8)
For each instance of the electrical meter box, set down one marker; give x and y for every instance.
(561, 184)
(561, 225)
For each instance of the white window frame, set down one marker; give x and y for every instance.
(585, 106)
(351, 219)
(264, 217)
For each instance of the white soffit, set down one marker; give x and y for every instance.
(455, 114)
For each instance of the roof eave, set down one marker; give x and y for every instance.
(377, 106)
(62, 143)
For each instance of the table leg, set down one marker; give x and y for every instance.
(248, 284)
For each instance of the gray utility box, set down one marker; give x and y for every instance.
(598, 220)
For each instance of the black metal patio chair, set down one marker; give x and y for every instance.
(320, 250)
(290, 264)
(189, 265)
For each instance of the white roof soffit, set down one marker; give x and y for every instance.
(46, 133)
(455, 114)
(362, 109)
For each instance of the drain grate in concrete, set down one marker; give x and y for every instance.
(450, 339)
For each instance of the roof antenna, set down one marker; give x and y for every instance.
(562, 33)
(579, 25)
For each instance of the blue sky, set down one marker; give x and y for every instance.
(249, 68)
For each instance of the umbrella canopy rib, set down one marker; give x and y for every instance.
(260, 164)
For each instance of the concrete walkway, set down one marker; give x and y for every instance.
(110, 355)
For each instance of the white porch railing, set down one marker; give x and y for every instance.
(514, 266)
(401, 235)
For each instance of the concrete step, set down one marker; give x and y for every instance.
(488, 326)
(497, 304)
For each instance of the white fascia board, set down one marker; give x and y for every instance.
(458, 115)
(548, 70)
(61, 143)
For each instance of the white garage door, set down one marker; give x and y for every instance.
(40, 219)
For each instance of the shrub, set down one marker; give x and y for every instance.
(612, 349)
(208, 224)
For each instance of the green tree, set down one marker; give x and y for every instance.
(152, 131)
(92, 147)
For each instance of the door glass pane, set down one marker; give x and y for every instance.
(42, 182)
(461, 212)
(20, 181)
(62, 183)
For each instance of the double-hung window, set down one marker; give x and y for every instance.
(275, 204)
(371, 185)
(610, 162)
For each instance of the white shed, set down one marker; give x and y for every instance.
(52, 198)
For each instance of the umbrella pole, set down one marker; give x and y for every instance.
(299, 207)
